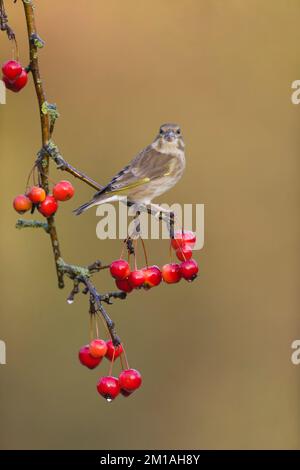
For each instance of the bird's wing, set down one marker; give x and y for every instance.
(145, 167)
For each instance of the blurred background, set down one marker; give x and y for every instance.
(215, 355)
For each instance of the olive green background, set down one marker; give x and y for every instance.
(215, 355)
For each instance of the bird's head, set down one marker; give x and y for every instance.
(169, 138)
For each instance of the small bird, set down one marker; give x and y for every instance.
(151, 173)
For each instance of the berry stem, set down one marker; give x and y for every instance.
(125, 357)
(16, 50)
(145, 253)
(91, 327)
(31, 174)
(135, 253)
(112, 363)
(170, 251)
(104, 323)
(180, 247)
(121, 361)
(97, 327)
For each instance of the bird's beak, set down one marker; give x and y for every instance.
(170, 136)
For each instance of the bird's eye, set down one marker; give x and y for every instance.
(178, 131)
(161, 132)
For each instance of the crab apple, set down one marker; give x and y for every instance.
(36, 194)
(108, 387)
(130, 380)
(49, 206)
(189, 269)
(183, 237)
(119, 269)
(98, 348)
(22, 203)
(63, 191)
(136, 278)
(113, 351)
(17, 84)
(184, 253)
(9, 85)
(123, 285)
(21, 81)
(12, 69)
(152, 276)
(171, 273)
(87, 359)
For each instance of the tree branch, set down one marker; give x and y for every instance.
(48, 115)
(25, 223)
(53, 152)
(45, 126)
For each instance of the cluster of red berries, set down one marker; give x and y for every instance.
(183, 244)
(15, 76)
(151, 276)
(47, 204)
(109, 386)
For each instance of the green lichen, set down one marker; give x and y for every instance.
(72, 269)
(24, 223)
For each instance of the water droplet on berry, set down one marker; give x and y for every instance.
(70, 301)
(108, 399)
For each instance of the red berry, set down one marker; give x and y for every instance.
(108, 387)
(22, 203)
(130, 380)
(36, 194)
(11, 69)
(9, 85)
(184, 253)
(63, 191)
(171, 273)
(98, 348)
(113, 351)
(189, 269)
(152, 276)
(123, 285)
(136, 278)
(119, 269)
(20, 82)
(48, 207)
(183, 237)
(87, 359)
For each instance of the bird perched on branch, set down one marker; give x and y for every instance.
(151, 173)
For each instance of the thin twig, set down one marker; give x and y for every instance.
(4, 26)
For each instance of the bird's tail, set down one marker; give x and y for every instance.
(84, 207)
(100, 198)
